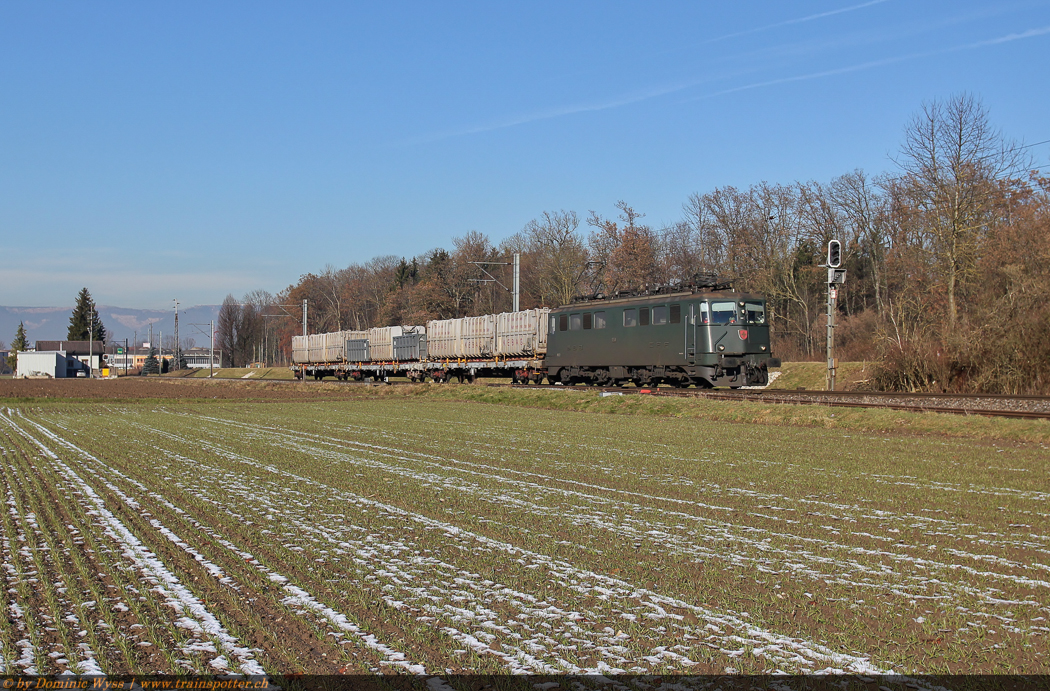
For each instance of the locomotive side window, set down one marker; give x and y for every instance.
(756, 312)
(659, 315)
(554, 324)
(599, 320)
(575, 322)
(630, 317)
(676, 314)
(563, 322)
(705, 316)
(587, 321)
(643, 316)
(723, 313)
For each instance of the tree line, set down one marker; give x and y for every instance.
(947, 259)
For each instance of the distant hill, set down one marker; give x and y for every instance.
(50, 323)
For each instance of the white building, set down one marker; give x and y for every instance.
(51, 364)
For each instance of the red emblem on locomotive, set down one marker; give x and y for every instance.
(743, 334)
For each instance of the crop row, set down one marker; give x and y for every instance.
(427, 538)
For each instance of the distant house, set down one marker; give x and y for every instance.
(49, 364)
(91, 353)
(117, 357)
(135, 358)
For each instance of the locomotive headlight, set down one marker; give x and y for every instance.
(763, 348)
(721, 347)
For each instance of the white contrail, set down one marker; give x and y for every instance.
(788, 22)
(649, 94)
(1031, 33)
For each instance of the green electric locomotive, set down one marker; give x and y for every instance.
(699, 336)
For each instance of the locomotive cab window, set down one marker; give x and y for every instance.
(723, 313)
(756, 312)
(588, 320)
(643, 316)
(599, 320)
(554, 324)
(630, 317)
(676, 314)
(575, 322)
(705, 314)
(659, 315)
(563, 322)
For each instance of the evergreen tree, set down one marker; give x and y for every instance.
(152, 364)
(85, 317)
(165, 365)
(19, 344)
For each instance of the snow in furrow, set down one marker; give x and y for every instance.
(573, 443)
(296, 595)
(645, 530)
(775, 643)
(440, 460)
(168, 586)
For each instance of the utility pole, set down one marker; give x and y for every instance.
(836, 277)
(303, 378)
(177, 350)
(516, 291)
(91, 340)
(517, 281)
(211, 352)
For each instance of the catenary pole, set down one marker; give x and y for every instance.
(175, 349)
(517, 281)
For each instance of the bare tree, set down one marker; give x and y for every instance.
(951, 160)
(226, 330)
(559, 257)
(625, 251)
(867, 216)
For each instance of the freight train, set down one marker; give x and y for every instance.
(703, 335)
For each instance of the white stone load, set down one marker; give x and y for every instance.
(478, 336)
(443, 338)
(381, 341)
(511, 334)
(334, 346)
(469, 337)
(522, 334)
(300, 350)
(316, 347)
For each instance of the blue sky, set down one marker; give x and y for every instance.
(151, 151)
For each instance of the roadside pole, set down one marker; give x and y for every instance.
(836, 277)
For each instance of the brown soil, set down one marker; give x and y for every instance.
(137, 388)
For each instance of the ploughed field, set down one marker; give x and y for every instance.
(407, 535)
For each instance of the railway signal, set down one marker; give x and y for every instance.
(836, 277)
(834, 254)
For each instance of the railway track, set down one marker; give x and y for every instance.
(994, 405)
(991, 405)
